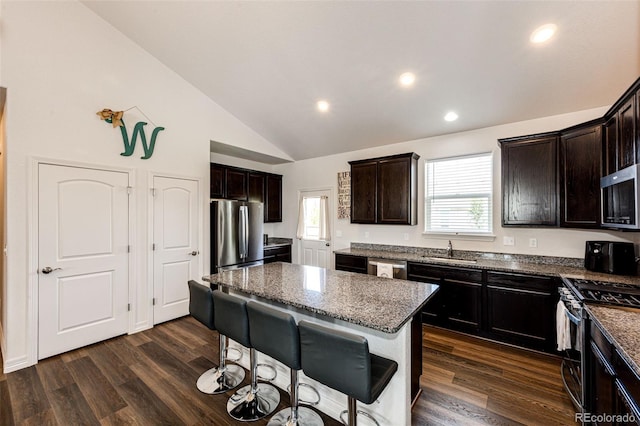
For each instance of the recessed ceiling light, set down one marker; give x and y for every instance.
(407, 79)
(543, 33)
(323, 106)
(451, 116)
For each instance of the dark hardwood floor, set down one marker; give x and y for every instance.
(149, 378)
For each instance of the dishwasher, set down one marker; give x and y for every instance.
(399, 267)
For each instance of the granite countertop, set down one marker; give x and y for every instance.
(622, 327)
(382, 304)
(278, 242)
(536, 265)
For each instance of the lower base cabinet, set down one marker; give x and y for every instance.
(507, 307)
(277, 254)
(520, 309)
(613, 386)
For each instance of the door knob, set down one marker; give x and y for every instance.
(327, 244)
(194, 253)
(48, 269)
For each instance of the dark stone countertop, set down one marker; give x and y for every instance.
(278, 242)
(622, 327)
(383, 304)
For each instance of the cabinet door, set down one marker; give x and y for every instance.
(256, 187)
(462, 303)
(217, 180)
(521, 309)
(529, 181)
(237, 184)
(580, 154)
(627, 134)
(363, 192)
(394, 191)
(346, 262)
(602, 383)
(273, 198)
(610, 146)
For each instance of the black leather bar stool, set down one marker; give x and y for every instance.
(275, 333)
(224, 377)
(343, 362)
(257, 400)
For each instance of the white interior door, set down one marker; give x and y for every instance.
(83, 238)
(314, 250)
(176, 237)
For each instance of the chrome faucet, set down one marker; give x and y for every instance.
(449, 250)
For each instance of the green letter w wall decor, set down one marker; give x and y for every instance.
(129, 147)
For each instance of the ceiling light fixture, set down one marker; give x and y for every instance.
(543, 33)
(407, 79)
(323, 106)
(451, 116)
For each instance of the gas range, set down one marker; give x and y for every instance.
(609, 293)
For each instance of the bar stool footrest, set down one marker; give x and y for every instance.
(268, 367)
(363, 413)
(303, 401)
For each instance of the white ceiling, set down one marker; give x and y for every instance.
(268, 62)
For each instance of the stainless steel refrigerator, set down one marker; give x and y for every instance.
(236, 234)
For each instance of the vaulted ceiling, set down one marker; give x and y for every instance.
(269, 62)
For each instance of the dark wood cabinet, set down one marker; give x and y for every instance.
(277, 254)
(350, 263)
(216, 181)
(384, 190)
(256, 187)
(458, 303)
(580, 172)
(622, 131)
(273, 198)
(613, 387)
(364, 192)
(610, 156)
(235, 183)
(529, 180)
(520, 309)
(627, 134)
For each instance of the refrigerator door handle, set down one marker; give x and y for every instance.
(243, 224)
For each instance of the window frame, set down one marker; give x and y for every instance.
(487, 235)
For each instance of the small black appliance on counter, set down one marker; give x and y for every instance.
(612, 257)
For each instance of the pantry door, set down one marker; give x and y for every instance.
(176, 245)
(83, 272)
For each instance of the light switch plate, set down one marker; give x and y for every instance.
(508, 241)
(533, 242)
(338, 233)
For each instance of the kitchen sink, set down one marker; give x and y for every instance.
(452, 260)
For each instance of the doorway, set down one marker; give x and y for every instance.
(314, 228)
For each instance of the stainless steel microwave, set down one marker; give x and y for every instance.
(620, 195)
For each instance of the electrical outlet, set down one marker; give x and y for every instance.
(509, 241)
(406, 236)
(533, 242)
(366, 234)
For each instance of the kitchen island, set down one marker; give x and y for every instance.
(380, 309)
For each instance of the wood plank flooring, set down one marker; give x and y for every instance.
(149, 379)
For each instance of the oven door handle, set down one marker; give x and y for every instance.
(574, 319)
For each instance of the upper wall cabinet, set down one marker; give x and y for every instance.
(580, 172)
(622, 131)
(529, 180)
(235, 183)
(384, 190)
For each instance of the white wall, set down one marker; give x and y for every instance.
(62, 64)
(322, 173)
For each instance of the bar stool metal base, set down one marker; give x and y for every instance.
(306, 417)
(247, 406)
(215, 380)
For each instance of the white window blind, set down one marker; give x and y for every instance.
(459, 194)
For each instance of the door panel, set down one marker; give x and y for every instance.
(176, 237)
(83, 237)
